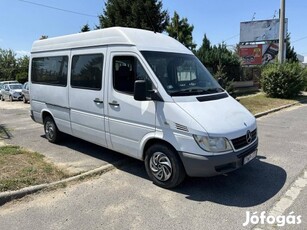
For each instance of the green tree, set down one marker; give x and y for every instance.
(181, 30)
(85, 28)
(143, 14)
(43, 37)
(218, 55)
(8, 65)
(220, 76)
(290, 53)
(22, 69)
(12, 68)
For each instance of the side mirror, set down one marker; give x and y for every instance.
(140, 90)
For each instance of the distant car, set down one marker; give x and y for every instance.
(1, 86)
(25, 92)
(11, 92)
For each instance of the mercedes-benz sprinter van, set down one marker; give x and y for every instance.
(144, 95)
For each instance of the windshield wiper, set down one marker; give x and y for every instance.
(195, 91)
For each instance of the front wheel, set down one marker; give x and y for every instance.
(24, 99)
(164, 166)
(51, 130)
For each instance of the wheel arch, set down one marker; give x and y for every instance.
(154, 141)
(46, 113)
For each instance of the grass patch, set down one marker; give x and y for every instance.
(261, 103)
(20, 168)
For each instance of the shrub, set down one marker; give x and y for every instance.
(221, 76)
(282, 80)
(305, 78)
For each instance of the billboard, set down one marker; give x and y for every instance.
(251, 54)
(258, 54)
(263, 30)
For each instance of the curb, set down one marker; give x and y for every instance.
(11, 195)
(279, 108)
(257, 115)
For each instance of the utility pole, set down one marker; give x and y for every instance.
(281, 31)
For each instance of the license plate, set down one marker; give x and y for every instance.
(249, 157)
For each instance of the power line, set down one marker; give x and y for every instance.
(234, 36)
(300, 39)
(60, 9)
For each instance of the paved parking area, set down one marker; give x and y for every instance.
(73, 154)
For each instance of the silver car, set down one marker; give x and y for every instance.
(2, 83)
(11, 92)
(25, 92)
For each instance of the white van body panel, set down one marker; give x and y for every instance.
(128, 120)
(115, 36)
(51, 99)
(87, 115)
(224, 117)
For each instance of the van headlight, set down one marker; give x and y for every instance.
(213, 144)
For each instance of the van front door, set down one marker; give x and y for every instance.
(129, 120)
(86, 95)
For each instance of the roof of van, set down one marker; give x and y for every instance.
(142, 39)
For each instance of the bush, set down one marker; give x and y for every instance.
(282, 80)
(221, 76)
(305, 78)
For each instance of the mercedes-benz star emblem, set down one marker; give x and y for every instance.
(249, 137)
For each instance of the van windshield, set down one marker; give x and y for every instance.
(181, 74)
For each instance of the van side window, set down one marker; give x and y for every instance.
(126, 70)
(50, 70)
(86, 71)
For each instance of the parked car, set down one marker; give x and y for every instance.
(25, 92)
(11, 92)
(1, 86)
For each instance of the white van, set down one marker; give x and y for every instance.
(142, 94)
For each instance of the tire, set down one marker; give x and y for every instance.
(164, 166)
(51, 130)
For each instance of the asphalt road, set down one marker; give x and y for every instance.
(124, 198)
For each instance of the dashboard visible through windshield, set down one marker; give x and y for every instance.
(181, 74)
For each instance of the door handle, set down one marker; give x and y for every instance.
(114, 103)
(97, 100)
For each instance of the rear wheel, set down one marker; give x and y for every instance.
(164, 166)
(51, 130)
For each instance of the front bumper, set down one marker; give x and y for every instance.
(206, 166)
(17, 96)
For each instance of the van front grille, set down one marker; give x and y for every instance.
(241, 142)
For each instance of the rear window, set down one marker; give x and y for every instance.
(50, 70)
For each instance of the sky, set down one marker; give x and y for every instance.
(23, 21)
